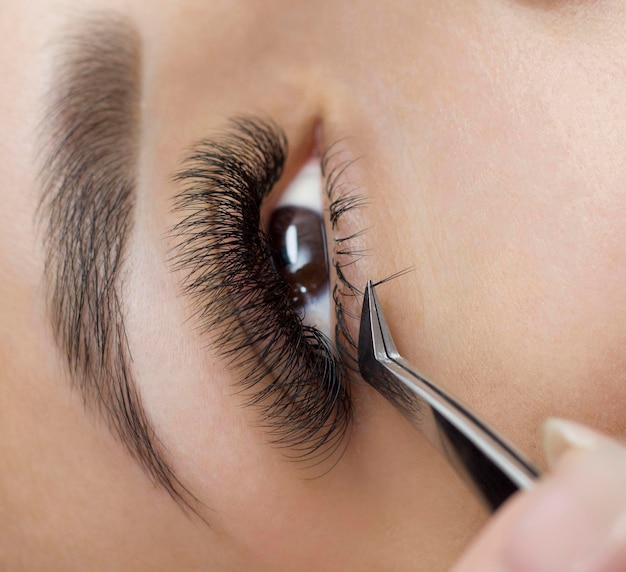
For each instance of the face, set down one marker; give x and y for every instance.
(484, 146)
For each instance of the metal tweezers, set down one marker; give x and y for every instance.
(493, 468)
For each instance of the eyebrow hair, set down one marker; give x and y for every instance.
(88, 175)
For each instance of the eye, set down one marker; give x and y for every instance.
(258, 283)
(299, 248)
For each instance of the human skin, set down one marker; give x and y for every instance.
(493, 141)
(582, 497)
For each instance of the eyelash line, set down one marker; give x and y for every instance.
(289, 369)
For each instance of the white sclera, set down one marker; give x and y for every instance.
(306, 188)
(305, 191)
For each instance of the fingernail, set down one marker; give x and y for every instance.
(559, 435)
(576, 517)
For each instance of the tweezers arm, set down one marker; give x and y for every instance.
(484, 460)
(491, 466)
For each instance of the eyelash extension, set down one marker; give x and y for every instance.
(288, 370)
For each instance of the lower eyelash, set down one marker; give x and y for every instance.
(287, 369)
(343, 198)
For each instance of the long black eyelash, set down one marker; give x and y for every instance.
(343, 198)
(288, 369)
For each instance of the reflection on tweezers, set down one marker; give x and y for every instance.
(492, 467)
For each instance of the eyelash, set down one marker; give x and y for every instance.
(342, 200)
(287, 369)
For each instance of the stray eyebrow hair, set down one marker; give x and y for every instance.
(88, 175)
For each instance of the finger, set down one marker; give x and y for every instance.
(574, 519)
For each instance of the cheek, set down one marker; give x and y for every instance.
(517, 304)
(518, 301)
(537, 323)
(571, 320)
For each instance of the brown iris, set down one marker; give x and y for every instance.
(298, 242)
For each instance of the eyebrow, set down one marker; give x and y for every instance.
(90, 134)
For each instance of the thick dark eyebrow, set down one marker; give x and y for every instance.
(90, 135)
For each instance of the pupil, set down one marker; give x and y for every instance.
(298, 242)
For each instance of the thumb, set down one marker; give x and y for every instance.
(574, 519)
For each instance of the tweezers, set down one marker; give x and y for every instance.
(492, 467)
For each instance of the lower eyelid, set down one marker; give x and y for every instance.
(347, 246)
